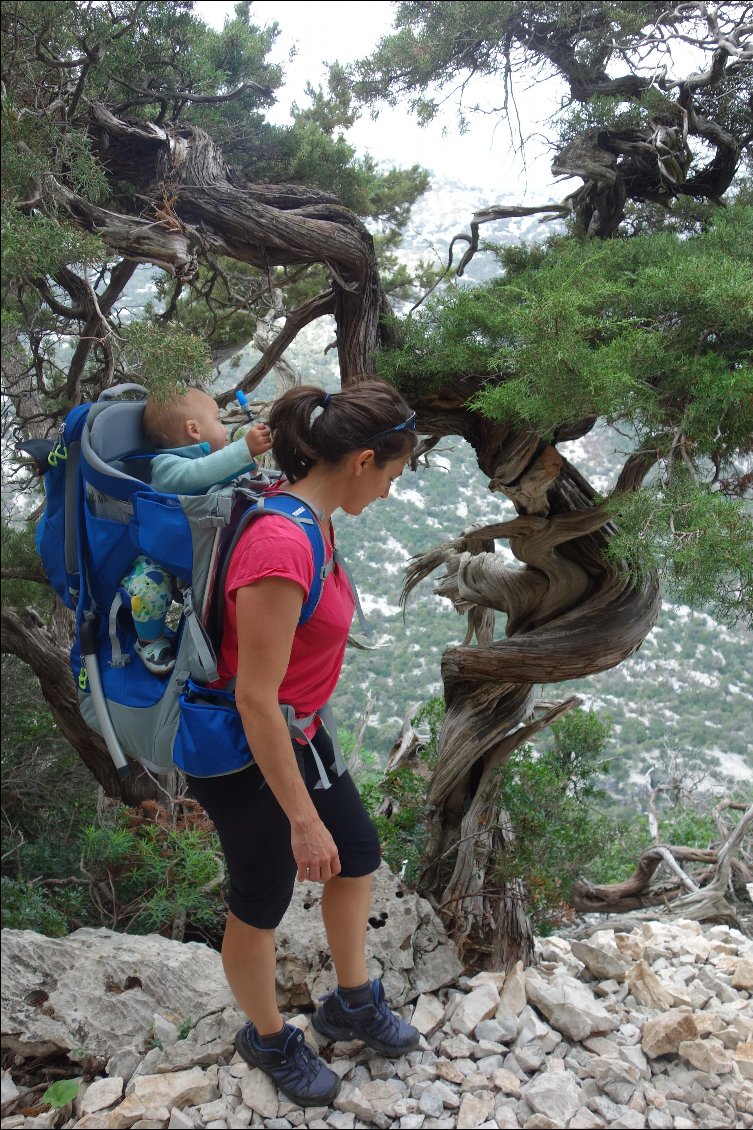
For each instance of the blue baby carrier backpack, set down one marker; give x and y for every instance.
(101, 513)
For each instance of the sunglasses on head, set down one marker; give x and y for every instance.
(410, 423)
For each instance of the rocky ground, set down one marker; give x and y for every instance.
(648, 1029)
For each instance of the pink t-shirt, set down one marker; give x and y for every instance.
(275, 547)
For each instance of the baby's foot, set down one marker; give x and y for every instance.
(157, 655)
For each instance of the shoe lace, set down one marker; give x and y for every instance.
(301, 1056)
(386, 1021)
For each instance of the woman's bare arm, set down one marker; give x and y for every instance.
(267, 614)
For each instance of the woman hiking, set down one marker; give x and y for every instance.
(294, 812)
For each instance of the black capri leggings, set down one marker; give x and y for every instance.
(255, 833)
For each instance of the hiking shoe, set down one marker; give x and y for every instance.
(157, 655)
(376, 1024)
(298, 1072)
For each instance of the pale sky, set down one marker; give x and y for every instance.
(323, 32)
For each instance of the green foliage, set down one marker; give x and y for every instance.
(601, 112)
(154, 61)
(579, 739)
(618, 853)
(37, 246)
(654, 330)
(689, 823)
(699, 543)
(157, 872)
(308, 154)
(402, 828)
(18, 553)
(550, 798)
(401, 796)
(62, 1092)
(654, 333)
(446, 43)
(47, 794)
(431, 714)
(58, 858)
(166, 359)
(34, 145)
(27, 905)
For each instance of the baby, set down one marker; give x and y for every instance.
(194, 456)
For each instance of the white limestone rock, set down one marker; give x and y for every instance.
(664, 1034)
(556, 1094)
(599, 1082)
(382, 1094)
(259, 1093)
(9, 1092)
(603, 962)
(457, 1047)
(513, 999)
(585, 1119)
(647, 988)
(180, 1120)
(530, 1057)
(428, 1014)
(410, 1122)
(707, 1055)
(506, 1082)
(636, 1058)
(447, 1069)
(101, 1094)
(166, 1031)
(744, 1059)
(568, 1005)
(630, 1120)
(530, 1027)
(178, 1088)
(742, 978)
(476, 1007)
(101, 988)
(407, 944)
(475, 1109)
(352, 1101)
(608, 1071)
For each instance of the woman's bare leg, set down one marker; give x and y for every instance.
(248, 957)
(345, 910)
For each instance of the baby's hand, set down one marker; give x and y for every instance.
(259, 439)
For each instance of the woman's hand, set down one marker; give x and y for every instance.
(314, 852)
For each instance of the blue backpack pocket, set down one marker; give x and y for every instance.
(210, 741)
(162, 532)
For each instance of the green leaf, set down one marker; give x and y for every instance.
(61, 1093)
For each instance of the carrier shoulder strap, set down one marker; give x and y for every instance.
(302, 516)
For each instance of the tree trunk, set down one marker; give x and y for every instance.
(569, 611)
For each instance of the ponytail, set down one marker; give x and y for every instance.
(310, 426)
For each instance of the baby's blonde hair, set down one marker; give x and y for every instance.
(164, 421)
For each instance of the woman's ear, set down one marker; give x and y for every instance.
(362, 460)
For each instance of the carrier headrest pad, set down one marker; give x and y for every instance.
(116, 430)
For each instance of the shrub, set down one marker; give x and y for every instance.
(161, 873)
